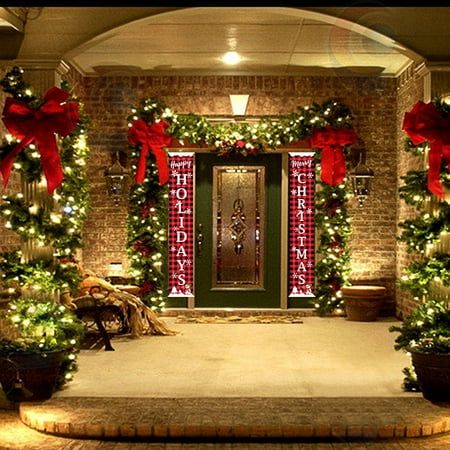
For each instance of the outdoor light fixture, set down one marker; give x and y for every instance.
(361, 177)
(231, 58)
(115, 269)
(117, 180)
(239, 104)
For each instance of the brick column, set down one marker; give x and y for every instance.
(40, 76)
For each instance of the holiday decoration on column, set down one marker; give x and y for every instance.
(301, 224)
(61, 225)
(148, 202)
(37, 124)
(181, 224)
(48, 146)
(332, 141)
(430, 122)
(151, 138)
(333, 226)
(427, 276)
(422, 232)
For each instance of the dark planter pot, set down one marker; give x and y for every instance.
(30, 376)
(363, 302)
(433, 374)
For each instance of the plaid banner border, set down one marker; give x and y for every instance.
(181, 224)
(301, 224)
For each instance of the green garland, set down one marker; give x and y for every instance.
(418, 275)
(40, 275)
(419, 235)
(426, 330)
(424, 230)
(147, 232)
(147, 237)
(59, 225)
(333, 265)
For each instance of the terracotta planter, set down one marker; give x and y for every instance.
(433, 374)
(38, 372)
(363, 302)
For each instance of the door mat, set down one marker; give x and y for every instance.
(238, 319)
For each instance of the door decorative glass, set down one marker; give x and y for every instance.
(238, 227)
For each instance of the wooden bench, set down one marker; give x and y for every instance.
(92, 307)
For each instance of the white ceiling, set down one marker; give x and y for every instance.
(270, 40)
(335, 40)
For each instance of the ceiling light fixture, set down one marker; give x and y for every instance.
(231, 58)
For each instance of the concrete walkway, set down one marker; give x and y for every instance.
(321, 357)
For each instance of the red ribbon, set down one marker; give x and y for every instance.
(424, 123)
(331, 141)
(40, 126)
(151, 137)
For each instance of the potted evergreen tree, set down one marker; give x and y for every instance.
(425, 334)
(39, 341)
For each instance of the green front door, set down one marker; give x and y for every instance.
(237, 227)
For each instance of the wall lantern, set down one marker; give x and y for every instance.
(239, 104)
(117, 178)
(361, 178)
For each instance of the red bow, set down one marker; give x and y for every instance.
(153, 138)
(39, 126)
(331, 141)
(424, 123)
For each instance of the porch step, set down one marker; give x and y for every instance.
(214, 419)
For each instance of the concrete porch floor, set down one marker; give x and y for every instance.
(321, 357)
(325, 383)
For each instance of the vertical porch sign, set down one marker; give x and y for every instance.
(301, 224)
(181, 224)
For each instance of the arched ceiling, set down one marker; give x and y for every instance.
(272, 40)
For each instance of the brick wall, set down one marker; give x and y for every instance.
(410, 89)
(108, 101)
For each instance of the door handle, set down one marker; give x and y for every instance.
(199, 239)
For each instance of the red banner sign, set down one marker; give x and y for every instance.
(181, 224)
(301, 224)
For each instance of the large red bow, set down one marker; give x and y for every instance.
(151, 137)
(331, 141)
(426, 124)
(39, 126)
